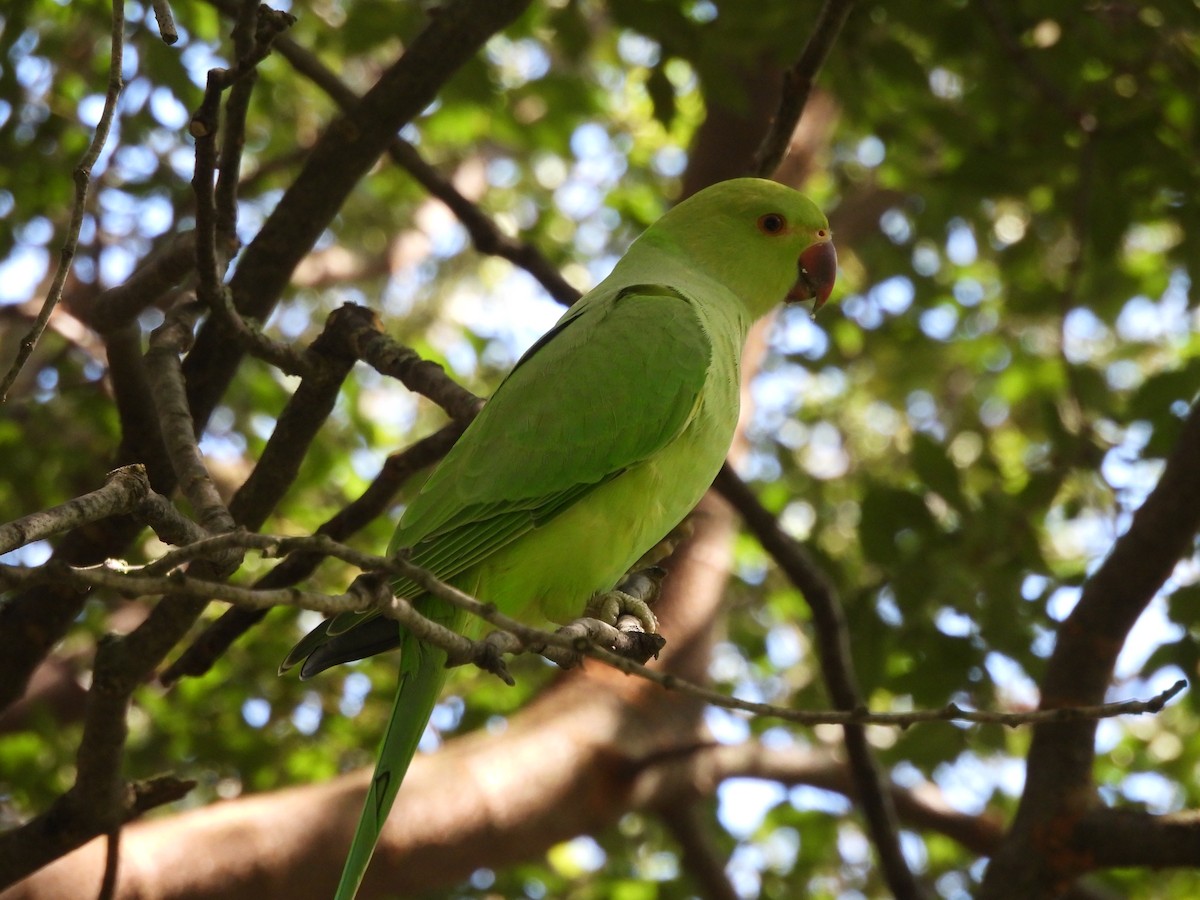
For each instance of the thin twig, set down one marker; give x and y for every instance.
(216, 206)
(951, 712)
(248, 44)
(485, 234)
(112, 864)
(219, 636)
(83, 177)
(166, 21)
(837, 667)
(134, 584)
(797, 85)
(364, 596)
(340, 158)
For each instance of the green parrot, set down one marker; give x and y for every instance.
(603, 437)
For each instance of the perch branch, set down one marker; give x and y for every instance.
(298, 565)
(364, 595)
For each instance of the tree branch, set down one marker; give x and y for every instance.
(165, 20)
(485, 235)
(178, 428)
(838, 670)
(123, 490)
(340, 158)
(327, 363)
(298, 565)
(1059, 787)
(373, 346)
(216, 208)
(163, 576)
(798, 83)
(83, 178)
(1122, 838)
(162, 270)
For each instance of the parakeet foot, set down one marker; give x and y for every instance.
(627, 606)
(611, 606)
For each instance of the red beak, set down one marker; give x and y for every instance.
(818, 269)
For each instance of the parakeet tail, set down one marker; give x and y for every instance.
(422, 675)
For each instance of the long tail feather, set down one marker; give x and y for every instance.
(422, 675)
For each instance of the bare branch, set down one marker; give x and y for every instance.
(178, 429)
(254, 32)
(485, 234)
(345, 152)
(1061, 757)
(697, 774)
(83, 177)
(165, 20)
(372, 345)
(833, 641)
(797, 85)
(134, 584)
(399, 467)
(66, 824)
(168, 523)
(328, 361)
(1120, 838)
(158, 273)
(123, 490)
(366, 594)
(216, 208)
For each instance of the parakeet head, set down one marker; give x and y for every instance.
(764, 241)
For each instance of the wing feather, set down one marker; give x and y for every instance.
(609, 386)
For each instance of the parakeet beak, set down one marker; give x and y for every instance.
(818, 269)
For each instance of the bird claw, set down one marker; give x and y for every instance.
(611, 606)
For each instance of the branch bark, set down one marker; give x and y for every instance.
(1037, 858)
(343, 155)
(83, 178)
(123, 490)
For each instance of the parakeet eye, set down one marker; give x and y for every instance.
(771, 223)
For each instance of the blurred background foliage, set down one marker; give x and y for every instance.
(959, 438)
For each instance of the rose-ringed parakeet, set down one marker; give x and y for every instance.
(601, 439)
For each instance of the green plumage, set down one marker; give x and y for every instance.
(601, 439)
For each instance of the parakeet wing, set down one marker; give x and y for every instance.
(606, 388)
